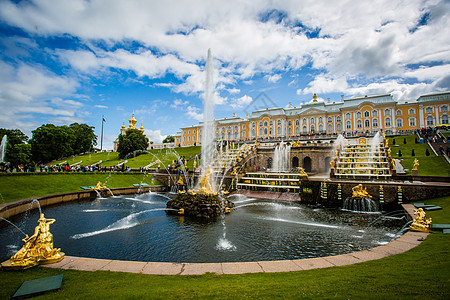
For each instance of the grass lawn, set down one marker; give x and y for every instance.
(18, 187)
(112, 158)
(429, 165)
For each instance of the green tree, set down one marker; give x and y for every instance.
(21, 154)
(84, 138)
(15, 137)
(169, 139)
(50, 142)
(131, 141)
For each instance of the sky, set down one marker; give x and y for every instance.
(76, 61)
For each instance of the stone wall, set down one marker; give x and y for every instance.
(13, 208)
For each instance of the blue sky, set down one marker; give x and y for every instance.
(74, 61)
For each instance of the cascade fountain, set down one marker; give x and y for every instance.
(281, 157)
(3, 148)
(361, 160)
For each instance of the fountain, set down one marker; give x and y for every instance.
(3, 148)
(205, 201)
(361, 160)
(361, 201)
(281, 158)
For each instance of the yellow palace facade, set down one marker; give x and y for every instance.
(346, 116)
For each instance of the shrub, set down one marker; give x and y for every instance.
(412, 153)
(427, 153)
(400, 153)
(404, 140)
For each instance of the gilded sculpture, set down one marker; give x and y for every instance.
(360, 192)
(99, 186)
(37, 249)
(416, 164)
(205, 185)
(332, 164)
(421, 223)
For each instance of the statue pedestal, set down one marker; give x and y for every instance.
(415, 172)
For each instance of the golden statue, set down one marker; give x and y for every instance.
(37, 249)
(360, 192)
(181, 192)
(416, 164)
(332, 164)
(195, 165)
(387, 142)
(421, 223)
(393, 163)
(99, 186)
(205, 185)
(185, 164)
(173, 164)
(389, 151)
(302, 172)
(235, 171)
(180, 181)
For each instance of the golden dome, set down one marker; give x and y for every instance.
(133, 122)
(142, 127)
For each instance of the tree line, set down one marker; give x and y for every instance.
(48, 142)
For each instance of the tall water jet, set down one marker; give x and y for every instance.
(3, 148)
(208, 145)
(281, 158)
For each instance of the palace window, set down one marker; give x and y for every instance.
(253, 132)
(189, 138)
(279, 130)
(330, 128)
(348, 124)
(265, 123)
(412, 122)
(399, 122)
(411, 111)
(375, 113)
(243, 134)
(260, 123)
(330, 120)
(375, 123)
(367, 114)
(229, 135)
(387, 112)
(184, 139)
(270, 131)
(367, 123)
(312, 120)
(305, 129)
(271, 123)
(235, 135)
(260, 131)
(430, 121)
(200, 137)
(313, 128)
(193, 138)
(189, 132)
(320, 128)
(339, 127)
(444, 108)
(235, 127)
(347, 115)
(243, 126)
(290, 131)
(297, 130)
(444, 119)
(290, 123)
(265, 131)
(358, 114)
(223, 136)
(338, 118)
(304, 121)
(297, 122)
(399, 112)
(279, 122)
(320, 120)
(429, 110)
(253, 124)
(193, 131)
(387, 122)
(359, 124)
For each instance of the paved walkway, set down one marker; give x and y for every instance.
(402, 244)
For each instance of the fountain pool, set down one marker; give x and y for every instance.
(138, 228)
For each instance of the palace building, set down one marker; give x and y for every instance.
(350, 117)
(124, 129)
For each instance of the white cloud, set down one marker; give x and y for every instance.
(100, 106)
(241, 102)
(325, 84)
(273, 78)
(179, 103)
(193, 112)
(155, 135)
